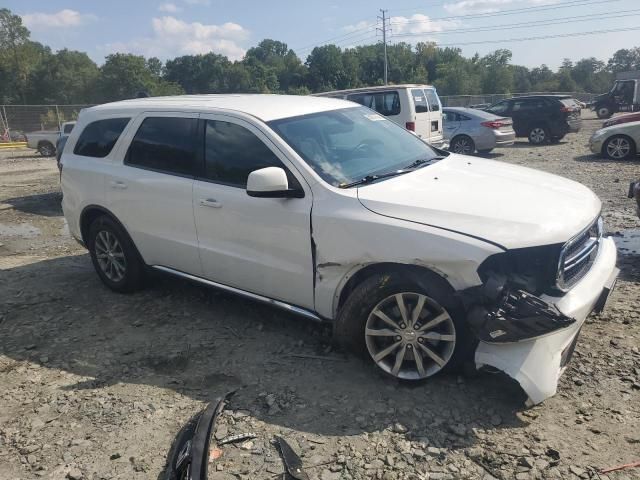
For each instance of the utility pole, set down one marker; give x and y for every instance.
(384, 41)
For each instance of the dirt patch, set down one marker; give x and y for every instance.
(96, 385)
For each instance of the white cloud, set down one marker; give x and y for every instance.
(466, 7)
(169, 8)
(63, 19)
(415, 28)
(173, 37)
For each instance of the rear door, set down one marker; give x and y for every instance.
(435, 115)
(150, 192)
(451, 123)
(423, 118)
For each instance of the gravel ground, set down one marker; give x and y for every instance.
(95, 385)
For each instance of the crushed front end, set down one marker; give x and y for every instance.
(533, 303)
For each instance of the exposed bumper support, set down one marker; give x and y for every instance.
(537, 364)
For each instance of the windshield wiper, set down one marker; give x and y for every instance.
(409, 168)
(373, 178)
(422, 161)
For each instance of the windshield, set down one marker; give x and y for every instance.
(346, 145)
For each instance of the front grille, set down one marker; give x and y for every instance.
(578, 254)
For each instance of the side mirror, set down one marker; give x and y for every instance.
(271, 182)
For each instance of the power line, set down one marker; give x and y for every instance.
(572, 3)
(542, 37)
(537, 23)
(353, 32)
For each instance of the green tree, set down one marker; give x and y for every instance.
(326, 71)
(199, 73)
(624, 60)
(13, 37)
(64, 78)
(497, 76)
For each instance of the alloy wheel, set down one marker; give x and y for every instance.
(110, 256)
(463, 146)
(537, 135)
(46, 150)
(618, 148)
(410, 336)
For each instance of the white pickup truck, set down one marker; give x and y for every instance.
(45, 140)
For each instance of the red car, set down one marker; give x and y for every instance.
(629, 117)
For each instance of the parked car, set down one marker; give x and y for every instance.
(468, 130)
(540, 118)
(634, 192)
(627, 118)
(67, 128)
(415, 107)
(45, 140)
(329, 210)
(618, 142)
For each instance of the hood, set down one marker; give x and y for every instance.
(511, 206)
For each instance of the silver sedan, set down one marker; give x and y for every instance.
(468, 130)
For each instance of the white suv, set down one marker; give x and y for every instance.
(331, 211)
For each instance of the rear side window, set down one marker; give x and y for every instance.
(499, 108)
(432, 98)
(529, 104)
(232, 152)
(385, 103)
(165, 144)
(67, 128)
(420, 101)
(98, 138)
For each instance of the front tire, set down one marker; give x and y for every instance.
(619, 147)
(538, 135)
(114, 256)
(462, 145)
(486, 151)
(603, 112)
(411, 329)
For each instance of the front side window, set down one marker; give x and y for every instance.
(165, 144)
(98, 138)
(232, 152)
(346, 145)
(432, 98)
(385, 103)
(420, 101)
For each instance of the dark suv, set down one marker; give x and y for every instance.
(541, 118)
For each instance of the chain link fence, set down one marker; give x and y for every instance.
(491, 98)
(18, 120)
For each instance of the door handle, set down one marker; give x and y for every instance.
(210, 202)
(119, 185)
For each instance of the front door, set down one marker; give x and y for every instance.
(261, 245)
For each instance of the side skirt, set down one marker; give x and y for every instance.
(254, 296)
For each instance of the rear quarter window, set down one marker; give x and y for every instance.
(385, 103)
(98, 138)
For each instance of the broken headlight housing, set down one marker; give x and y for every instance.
(532, 269)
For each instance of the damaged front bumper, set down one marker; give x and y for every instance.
(537, 362)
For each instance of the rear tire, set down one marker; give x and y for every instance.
(619, 147)
(538, 135)
(444, 345)
(462, 145)
(46, 149)
(114, 256)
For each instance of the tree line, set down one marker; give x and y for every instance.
(31, 73)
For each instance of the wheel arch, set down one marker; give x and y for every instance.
(88, 216)
(418, 273)
(45, 142)
(459, 135)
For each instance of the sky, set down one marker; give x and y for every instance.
(167, 29)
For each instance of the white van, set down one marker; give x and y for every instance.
(415, 107)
